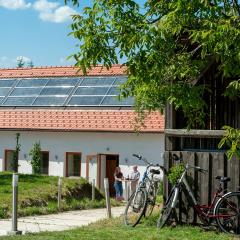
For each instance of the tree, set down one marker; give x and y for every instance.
(20, 62)
(165, 45)
(35, 161)
(16, 154)
(30, 64)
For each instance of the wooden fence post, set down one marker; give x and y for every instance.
(107, 196)
(59, 192)
(93, 189)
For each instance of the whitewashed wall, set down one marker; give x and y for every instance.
(88, 143)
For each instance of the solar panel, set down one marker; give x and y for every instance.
(74, 91)
(49, 101)
(32, 82)
(63, 82)
(56, 91)
(114, 101)
(25, 91)
(85, 101)
(4, 91)
(114, 91)
(91, 91)
(97, 81)
(7, 83)
(19, 101)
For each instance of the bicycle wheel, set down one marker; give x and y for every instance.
(167, 209)
(227, 211)
(135, 207)
(151, 200)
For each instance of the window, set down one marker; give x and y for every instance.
(9, 157)
(73, 164)
(44, 162)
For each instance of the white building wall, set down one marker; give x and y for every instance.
(149, 145)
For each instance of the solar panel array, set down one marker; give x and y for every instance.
(63, 92)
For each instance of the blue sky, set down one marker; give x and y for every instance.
(36, 30)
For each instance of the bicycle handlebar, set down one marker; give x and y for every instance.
(202, 170)
(150, 164)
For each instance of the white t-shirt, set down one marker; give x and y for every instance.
(135, 175)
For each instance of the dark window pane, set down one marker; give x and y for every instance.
(120, 80)
(1, 98)
(19, 101)
(44, 163)
(4, 91)
(32, 82)
(97, 81)
(91, 91)
(25, 91)
(113, 101)
(49, 101)
(56, 91)
(83, 101)
(114, 91)
(63, 82)
(7, 83)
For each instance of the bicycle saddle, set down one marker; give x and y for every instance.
(154, 171)
(223, 179)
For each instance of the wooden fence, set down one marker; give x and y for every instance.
(203, 184)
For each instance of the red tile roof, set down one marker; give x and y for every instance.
(78, 120)
(59, 72)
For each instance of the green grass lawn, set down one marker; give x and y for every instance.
(114, 229)
(38, 195)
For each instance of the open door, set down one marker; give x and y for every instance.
(93, 169)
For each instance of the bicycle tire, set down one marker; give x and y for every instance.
(227, 211)
(166, 210)
(135, 207)
(151, 201)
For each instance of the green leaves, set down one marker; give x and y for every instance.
(232, 141)
(156, 41)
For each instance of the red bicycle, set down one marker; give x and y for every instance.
(224, 208)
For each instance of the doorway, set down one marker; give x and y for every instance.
(112, 161)
(102, 166)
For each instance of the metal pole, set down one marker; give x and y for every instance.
(59, 192)
(107, 196)
(14, 230)
(93, 189)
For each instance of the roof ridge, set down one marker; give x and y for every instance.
(57, 66)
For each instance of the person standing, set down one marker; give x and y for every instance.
(134, 177)
(118, 176)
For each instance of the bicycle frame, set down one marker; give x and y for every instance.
(205, 212)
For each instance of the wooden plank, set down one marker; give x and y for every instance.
(233, 171)
(187, 211)
(194, 133)
(165, 180)
(217, 164)
(203, 178)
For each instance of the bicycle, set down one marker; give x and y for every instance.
(142, 201)
(224, 208)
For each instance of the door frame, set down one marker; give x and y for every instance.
(66, 162)
(99, 164)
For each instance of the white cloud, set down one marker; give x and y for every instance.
(59, 15)
(52, 12)
(45, 6)
(25, 59)
(14, 4)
